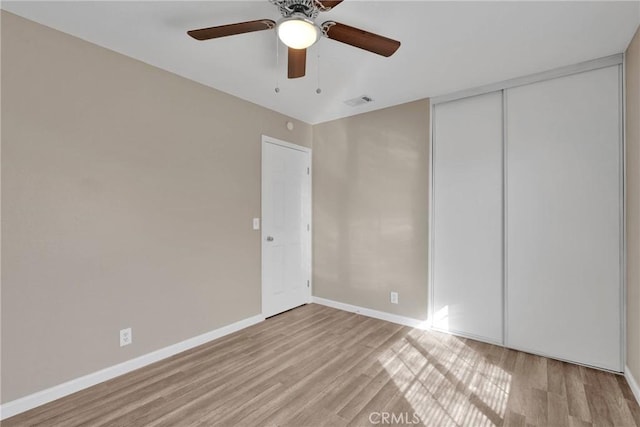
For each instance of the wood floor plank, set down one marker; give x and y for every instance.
(343, 391)
(316, 417)
(576, 396)
(514, 419)
(377, 403)
(577, 422)
(373, 387)
(600, 412)
(316, 366)
(555, 378)
(634, 409)
(624, 387)
(537, 408)
(557, 409)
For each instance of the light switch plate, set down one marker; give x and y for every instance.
(394, 297)
(256, 223)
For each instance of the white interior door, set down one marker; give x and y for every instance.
(467, 217)
(286, 226)
(564, 218)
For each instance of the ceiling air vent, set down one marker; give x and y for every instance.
(364, 99)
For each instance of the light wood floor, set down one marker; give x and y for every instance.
(317, 366)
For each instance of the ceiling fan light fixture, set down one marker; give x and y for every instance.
(297, 32)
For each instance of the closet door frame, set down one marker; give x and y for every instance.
(613, 60)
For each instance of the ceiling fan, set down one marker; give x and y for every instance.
(297, 29)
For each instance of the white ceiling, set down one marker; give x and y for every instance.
(446, 46)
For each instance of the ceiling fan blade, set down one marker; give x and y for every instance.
(359, 38)
(329, 4)
(297, 63)
(232, 29)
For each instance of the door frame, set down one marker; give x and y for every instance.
(274, 141)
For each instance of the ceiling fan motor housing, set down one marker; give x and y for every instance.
(288, 8)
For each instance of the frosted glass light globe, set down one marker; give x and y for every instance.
(298, 33)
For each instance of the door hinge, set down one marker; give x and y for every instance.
(308, 227)
(307, 171)
(307, 283)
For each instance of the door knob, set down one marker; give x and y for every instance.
(269, 239)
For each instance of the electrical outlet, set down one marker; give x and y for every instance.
(125, 337)
(394, 297)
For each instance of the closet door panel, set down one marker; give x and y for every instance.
(564, 218)
(467, 217)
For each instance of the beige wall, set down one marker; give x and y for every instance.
(632, 73)
(370, 209)
(127, 201)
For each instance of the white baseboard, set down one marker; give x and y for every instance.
(633, 384)
(23, 404)
(393, 318)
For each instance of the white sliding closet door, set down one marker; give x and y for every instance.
(564, 218)
(467, 217)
